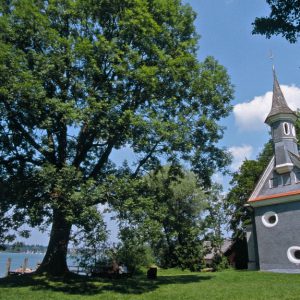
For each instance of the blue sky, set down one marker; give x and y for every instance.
(225, 29)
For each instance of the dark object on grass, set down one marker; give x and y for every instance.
(110, 271)
(152, 273)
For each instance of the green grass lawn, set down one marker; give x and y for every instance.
(171, 284)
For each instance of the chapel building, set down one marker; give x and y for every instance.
(274, 237)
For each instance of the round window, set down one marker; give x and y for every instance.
(293, 254)
(297, 254)
(270, 219)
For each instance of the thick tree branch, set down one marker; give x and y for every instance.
(145, 159)
(26, 134)
(103, 160)
(62, 144)
(84, 143)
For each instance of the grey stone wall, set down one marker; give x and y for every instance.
(273, 243)
(252, 259)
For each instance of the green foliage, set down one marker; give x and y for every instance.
(17, 246)
(80, 78)
(242, 185)
(284, 19)
(6, 225)
(166, 214)
(216, 217)
(214, 226)
(220, 263)
(132, 251)
(90, 242)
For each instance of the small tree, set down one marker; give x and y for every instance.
(90, 242)
(242, 185)
(166, 214)
(133, 251)
(215, 224)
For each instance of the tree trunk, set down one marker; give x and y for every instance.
(55, 260)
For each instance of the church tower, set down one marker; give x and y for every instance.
(282, 120)
(274, 239)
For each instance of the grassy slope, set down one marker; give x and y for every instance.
(171, 285)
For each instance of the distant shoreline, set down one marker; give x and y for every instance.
(22, 252)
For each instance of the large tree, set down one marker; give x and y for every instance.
(284, 19)
(81, 78)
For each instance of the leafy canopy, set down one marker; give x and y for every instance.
(81, 78)
(284, 19)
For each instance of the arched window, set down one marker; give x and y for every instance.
(286, 128)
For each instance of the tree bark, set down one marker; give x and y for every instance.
(55, 260)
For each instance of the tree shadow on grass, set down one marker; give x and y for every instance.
(91, 286)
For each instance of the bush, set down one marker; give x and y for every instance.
(220, 263)
(134, 256)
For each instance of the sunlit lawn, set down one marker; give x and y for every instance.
(171, 284)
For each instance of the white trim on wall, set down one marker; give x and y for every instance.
(266, 219)
(291, 254)
(263, 179)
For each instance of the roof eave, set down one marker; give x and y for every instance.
(281, 116)
(291, 196)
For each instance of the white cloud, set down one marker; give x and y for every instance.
(251, 115)
(240, 153)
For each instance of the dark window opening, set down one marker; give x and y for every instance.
(286, 179)
(274, 182)
(297, 254)
(286, 128)
(272, 219)
(297, 175)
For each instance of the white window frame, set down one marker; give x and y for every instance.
(293, 130)
(286, 125)
(265, 219)
(291, 254)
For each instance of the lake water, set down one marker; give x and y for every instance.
(17, 260)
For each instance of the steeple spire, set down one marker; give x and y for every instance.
(279, 105)
(282, 122)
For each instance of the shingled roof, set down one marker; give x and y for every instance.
(279, 105)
